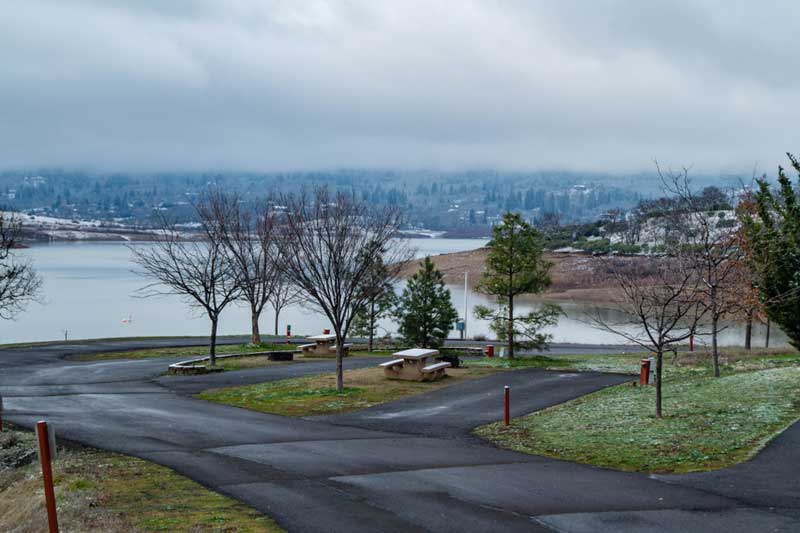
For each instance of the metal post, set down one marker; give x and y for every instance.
(506, 406)
(47, 475)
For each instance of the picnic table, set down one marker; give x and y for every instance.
(323, 346)
(412, 365)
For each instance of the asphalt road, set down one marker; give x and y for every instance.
(409, 465)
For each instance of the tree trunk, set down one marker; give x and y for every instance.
(212, 352)
(510, 333)
(339, 362)
(714, 347)
(277, 313)
(371, 324)
(659, 366)
(255, 336)
(766, 339)
(748, 330)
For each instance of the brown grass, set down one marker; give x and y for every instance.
(99, 491)
(575, 276)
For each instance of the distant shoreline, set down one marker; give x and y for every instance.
(576, 277)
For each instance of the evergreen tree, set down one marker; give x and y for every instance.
(425, 311)
(516, 266)
(773, 239)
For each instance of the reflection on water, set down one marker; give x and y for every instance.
(89, 289)
(575, 325)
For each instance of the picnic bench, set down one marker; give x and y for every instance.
(323, 346)
(412, 365)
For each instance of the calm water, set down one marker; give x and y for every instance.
(89, 290)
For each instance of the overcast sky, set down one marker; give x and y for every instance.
(146, 85)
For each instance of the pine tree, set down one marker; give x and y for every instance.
(773, 238)
(425, 311)
(516, 266)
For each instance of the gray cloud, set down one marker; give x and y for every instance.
(266, 85)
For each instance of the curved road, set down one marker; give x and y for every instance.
(410, 465)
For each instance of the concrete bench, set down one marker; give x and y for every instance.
(323, 349)
(412, 365)
(434, 372)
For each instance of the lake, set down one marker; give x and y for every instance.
(89, 292)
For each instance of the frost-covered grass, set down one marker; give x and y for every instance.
(698, 363)
(708, 423)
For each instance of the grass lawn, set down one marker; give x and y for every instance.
(183, 351)
(100, 491)
(108, 339)
(317, 395)
(530, 361)
(709, 423)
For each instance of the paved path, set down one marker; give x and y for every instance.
(406, 466)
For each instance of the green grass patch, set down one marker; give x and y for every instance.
(528, 361)
(108, 339)
(373, 353)
(708, 423)
(317, 395)
(184, 351)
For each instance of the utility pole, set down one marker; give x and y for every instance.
(466, 294)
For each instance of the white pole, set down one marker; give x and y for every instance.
(466, 293)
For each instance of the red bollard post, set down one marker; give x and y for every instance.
(489, 350)
(506, 406)
(691, 343)
(644, 372)
(47, 475)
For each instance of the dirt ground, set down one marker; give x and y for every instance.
(580, 277)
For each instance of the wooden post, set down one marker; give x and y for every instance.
(47, 475)
(644, 372)
(1, 414)
(506, 406)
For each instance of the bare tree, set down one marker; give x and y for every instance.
(329, 245)
(200, 271)
(712, 249)
(19, 282)
(284, 293)
(744, 278)
(379, 285)
(659, 306)
(248, 236)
